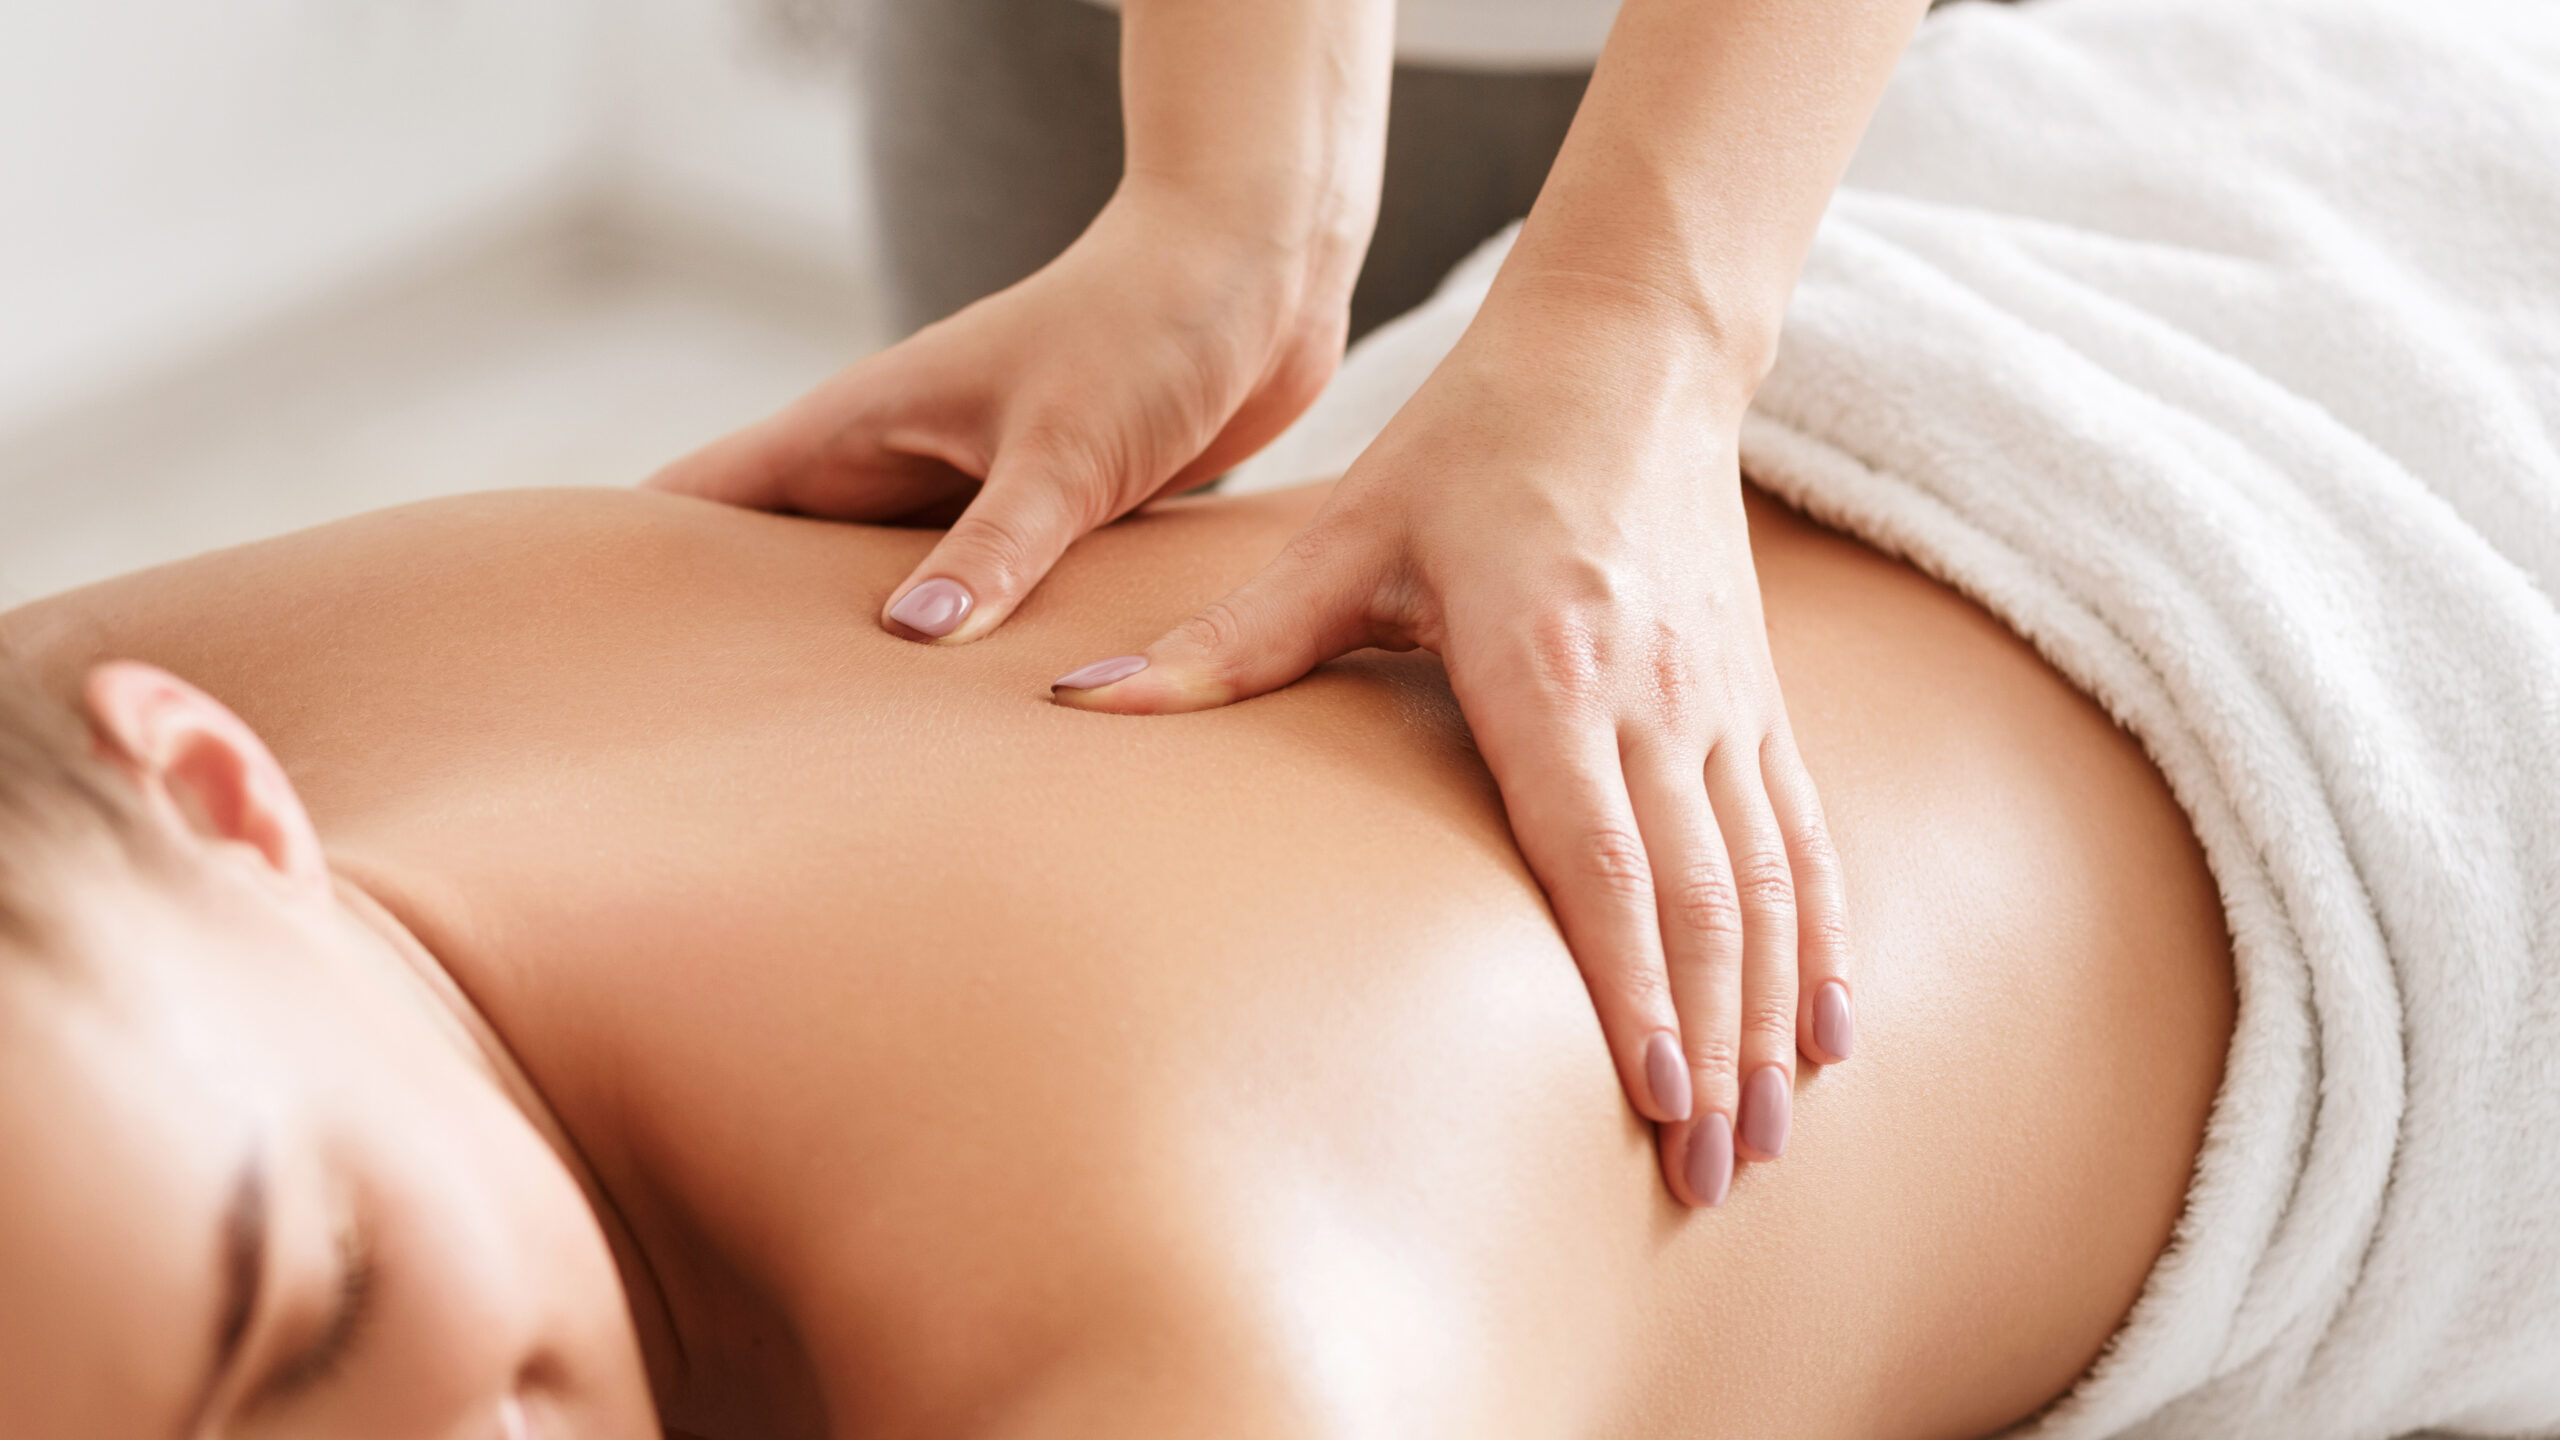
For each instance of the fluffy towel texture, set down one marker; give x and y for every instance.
(2215, 346)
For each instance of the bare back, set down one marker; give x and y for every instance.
(1036, 1059)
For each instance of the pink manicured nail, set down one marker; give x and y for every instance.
(1667, 1076)
(1100, 673)
(1765, 1107)
(1834, 1029)
(934, 608)
(1710, 1163)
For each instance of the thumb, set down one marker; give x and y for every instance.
(826, 454)
(745, 468)
(1304, 608)
(995, 554)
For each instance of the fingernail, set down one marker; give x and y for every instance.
(1100, 673)
(934, 608)
(1667, 1076)
(1834, 1029)
(1765, 1104)
(1710, 1162)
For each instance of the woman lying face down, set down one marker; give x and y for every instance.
(638, 993)
(260, 1144)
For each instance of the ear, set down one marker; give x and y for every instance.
(203, 773)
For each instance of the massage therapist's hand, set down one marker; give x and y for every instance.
(1558, 513)
(1173, 339)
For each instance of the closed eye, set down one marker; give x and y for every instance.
(349, 1315)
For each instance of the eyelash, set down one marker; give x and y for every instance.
(357, 1277)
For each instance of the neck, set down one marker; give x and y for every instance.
(661, 1339)
(722, 1359)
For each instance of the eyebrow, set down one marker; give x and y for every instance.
(243, 1262)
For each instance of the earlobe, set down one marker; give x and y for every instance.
(203, 773)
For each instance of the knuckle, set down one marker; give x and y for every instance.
(1565, 653)
(1714, 1054)
(1595, 641)
(1080, 469)
(1767, 883)
(1815, 854)
(1671, 682)
(1587, 582)
(1007, 545)
(1218, 631)
(1613, 861)
(1705, 903)
(1823, 930)
(1339, 550)
(1319, 547)
(1771, 1020)
(1641, 988)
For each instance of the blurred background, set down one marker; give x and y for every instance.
(269, 262)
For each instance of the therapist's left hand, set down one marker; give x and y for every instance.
(1558, 513)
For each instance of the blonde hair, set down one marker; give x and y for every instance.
(57, 796)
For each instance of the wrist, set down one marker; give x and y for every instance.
(1283, 251)
(1638, 335)
(1267, 122)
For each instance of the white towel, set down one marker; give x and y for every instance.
(2215, 346)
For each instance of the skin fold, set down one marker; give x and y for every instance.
(869, 1047)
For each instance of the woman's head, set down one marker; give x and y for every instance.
(260, 1180)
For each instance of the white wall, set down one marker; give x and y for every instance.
(175, 174)
(172, 171)
(728, 121)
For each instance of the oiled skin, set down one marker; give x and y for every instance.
(1060, 1074)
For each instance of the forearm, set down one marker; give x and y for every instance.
(1711, 138)
(1271, 115)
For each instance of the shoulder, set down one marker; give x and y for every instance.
(377, 571)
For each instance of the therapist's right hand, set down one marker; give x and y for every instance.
(1173, 339)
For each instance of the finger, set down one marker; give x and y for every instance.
(768, 466)
(1564, 783)
(1764, 886)
(1702, 940)
(1304, 608)
(836, 452)
(1826, 1028)
(744, 467)
(1030, 510)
